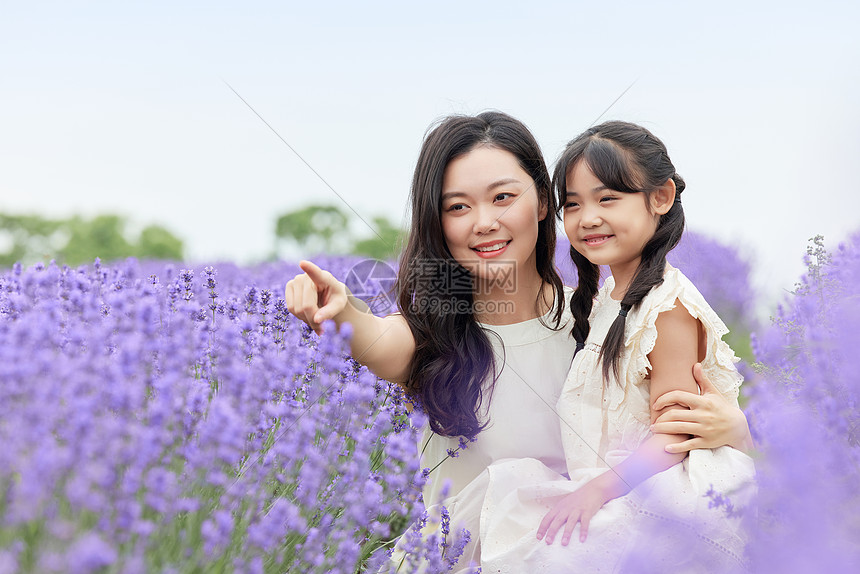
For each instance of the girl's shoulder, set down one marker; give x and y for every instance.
(675, 287)
(641, 331)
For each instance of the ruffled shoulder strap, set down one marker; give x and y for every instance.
(641, 333)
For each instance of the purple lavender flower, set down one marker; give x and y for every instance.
(167, 438)
(90, 554)
(187, 278)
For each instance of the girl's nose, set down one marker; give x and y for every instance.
(589, 217)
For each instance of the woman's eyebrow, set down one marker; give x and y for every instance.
(498, 183)
(503, 181)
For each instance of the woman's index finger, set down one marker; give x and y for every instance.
(317, 275)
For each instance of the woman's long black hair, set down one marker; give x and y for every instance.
(453, 355)
(628, 158)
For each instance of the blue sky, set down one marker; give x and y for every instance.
(123, 107)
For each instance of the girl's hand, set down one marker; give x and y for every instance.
(712, 419)
(579, 506)
(315, 296)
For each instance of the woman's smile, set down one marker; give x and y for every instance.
(490, 249)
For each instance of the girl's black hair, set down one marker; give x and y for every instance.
(453, 355)
(628, 158)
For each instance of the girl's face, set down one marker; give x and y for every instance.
(610, 227)
(490, 214)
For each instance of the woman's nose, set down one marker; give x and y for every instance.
(487, 220)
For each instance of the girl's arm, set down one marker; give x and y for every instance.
(384, 344)
(672, 360)
(712, 419)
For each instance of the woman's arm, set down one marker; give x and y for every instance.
(384, 344)
(712, 420)
(674, 354)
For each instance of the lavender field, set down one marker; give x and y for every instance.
(163, 419)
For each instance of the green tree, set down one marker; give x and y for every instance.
(326, 229)
(384, 244)
(28, 237)
(103, 237)
(31, 238)
(312, 227)
(156, 242)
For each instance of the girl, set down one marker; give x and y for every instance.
(482, 340)
(638, 337)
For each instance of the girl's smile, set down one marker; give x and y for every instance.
(593, 240)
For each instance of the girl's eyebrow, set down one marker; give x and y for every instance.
(492, 186)
(597, 189)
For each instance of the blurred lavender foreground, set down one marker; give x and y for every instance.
(157, 419)
(804, 414)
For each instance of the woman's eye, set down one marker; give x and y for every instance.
(503, 196)
(456, 207)
(607, 198)
(570, 204)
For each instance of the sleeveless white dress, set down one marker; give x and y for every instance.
(666, 521)
(532, 362)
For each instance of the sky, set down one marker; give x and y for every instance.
(132, 108)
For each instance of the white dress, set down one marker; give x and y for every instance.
(666, 521)
(532, 362)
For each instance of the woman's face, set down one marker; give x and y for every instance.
(490, 214)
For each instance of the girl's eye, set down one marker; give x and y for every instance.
(570, 205)
(456, 207)
(503, 196)
(607, 198)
